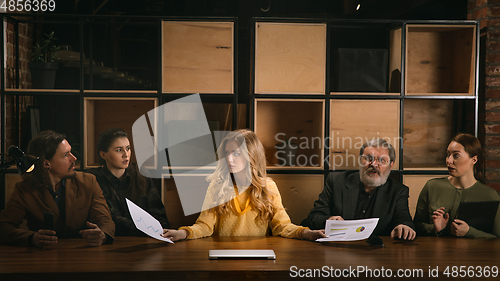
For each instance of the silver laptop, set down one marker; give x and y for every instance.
(241, 254)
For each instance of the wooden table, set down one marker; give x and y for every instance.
(140, 258)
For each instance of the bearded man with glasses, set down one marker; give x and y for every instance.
(367, 193)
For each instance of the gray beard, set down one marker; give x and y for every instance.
(373, 182)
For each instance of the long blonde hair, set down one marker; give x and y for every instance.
(221, 184)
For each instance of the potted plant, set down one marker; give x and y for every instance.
(43, 68)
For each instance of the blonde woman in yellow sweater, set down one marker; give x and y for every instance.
(241, 200)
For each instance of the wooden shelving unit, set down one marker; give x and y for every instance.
(413, 83)
(425, 91)
(123, 77)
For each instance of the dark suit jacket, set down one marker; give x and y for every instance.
(84, 202)
(340, 197)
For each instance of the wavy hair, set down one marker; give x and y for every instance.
(221, 186)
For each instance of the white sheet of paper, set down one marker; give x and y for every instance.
(146, 222)
(349, 230)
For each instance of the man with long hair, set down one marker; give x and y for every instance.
(73, 198)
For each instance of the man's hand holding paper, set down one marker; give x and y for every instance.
(350, 230)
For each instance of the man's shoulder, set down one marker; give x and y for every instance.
(343, 174)
(396, 186)
(23, 187)
(83, 178)
(342, 180)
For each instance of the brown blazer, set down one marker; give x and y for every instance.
(84, 202)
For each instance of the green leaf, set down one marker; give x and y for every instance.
(45, 50)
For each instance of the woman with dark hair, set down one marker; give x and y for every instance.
(440, 198)
(241, 200)
(119, 179)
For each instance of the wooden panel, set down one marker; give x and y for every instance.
(363, 93)
(300, 121)
(197, 57)
(464, 81)
(354, 122)
(415, 183)
(220, 115)
(173, 206)
(104, 113)
(42, 90)
(427, 133)
(395, 61)
(298, 193)
(290, 58)
(223, 113)
(440, 60)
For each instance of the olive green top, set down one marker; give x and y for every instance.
(439, 193)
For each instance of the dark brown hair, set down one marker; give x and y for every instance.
(44, 145)
(138, 184)
(105, 140)
(473, 148)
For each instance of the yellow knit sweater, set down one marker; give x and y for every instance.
(241, 221)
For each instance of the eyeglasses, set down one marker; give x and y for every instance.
(383, 160)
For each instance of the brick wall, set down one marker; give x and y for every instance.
(25, 46)
(488, 13)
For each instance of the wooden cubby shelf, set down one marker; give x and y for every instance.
(429, 125)
(198, 57)
(365, 59)
(101, 113)
(290, 58)
(440, 59)
(353, 122)
(323, 85)
(219, 118)
(299, 122)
